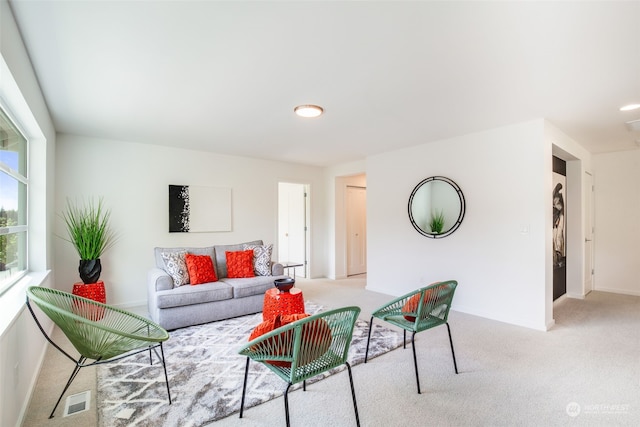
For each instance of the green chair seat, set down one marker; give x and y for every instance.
(98, 332)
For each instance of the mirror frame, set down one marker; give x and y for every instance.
(455, 226)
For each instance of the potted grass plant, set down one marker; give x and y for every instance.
(437, 222)
(88, 229)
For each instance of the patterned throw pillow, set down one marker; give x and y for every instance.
(200, 269)
(176, 267)
(261, 259)
(240, 264)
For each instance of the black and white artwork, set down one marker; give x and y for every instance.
(559, 232)
(198, 209)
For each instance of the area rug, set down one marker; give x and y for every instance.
(206, 374)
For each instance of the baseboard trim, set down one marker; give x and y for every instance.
(131, 304)
(560, 299)
(619, 291)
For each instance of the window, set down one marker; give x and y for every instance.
(13, 203)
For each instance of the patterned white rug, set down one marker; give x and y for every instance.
(205, 375)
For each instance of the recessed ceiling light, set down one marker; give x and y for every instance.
(630, 107)
(308, 110)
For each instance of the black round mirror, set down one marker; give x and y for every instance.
(436, 207)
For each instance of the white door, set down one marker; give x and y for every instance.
(588, 234)
(292, 229)
(356, 230)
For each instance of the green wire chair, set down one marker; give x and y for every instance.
(97, 331)
(305, 348)
(418, 311)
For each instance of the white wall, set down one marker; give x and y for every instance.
(617, 222)
(133, 178)
(498, 255)
(21, 344)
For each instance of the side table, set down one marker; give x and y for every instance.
(93, 291)
(291, 264)
(276, 302)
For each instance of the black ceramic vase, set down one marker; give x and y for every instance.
(90, 270)
(284, 285)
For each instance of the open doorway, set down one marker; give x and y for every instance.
(293, 230)
(356, 230)
(578, 208)
(344, 251)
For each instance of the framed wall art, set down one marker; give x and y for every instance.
(199, 209)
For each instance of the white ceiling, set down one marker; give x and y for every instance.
(225, 76)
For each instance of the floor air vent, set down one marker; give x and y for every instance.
(77, 403)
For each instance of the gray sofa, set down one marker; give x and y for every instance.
(188, 305)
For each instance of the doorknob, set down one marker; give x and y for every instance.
(587, 240)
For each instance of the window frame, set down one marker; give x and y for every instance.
(23, 200)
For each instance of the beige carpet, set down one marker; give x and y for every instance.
(206, 374)
(584, 372)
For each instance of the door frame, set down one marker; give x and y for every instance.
(575, 216)
(348, 220)
(307, 221)
(340, 227)
(589, 237)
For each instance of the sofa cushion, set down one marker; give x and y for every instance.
(261, 259)
(240, 264)
(200, 269)
(251, 286)
(220, 258)
(188, 295)
(176, 267)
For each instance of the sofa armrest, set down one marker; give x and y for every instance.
(158, 280)
(276, 269)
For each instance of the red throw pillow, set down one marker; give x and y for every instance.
(240, 264)
(285, 319)
(275, 322)
(200, 269)
(316, 334)
(316, 340)
(411, 306)
(268, 326)
(264, 328)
